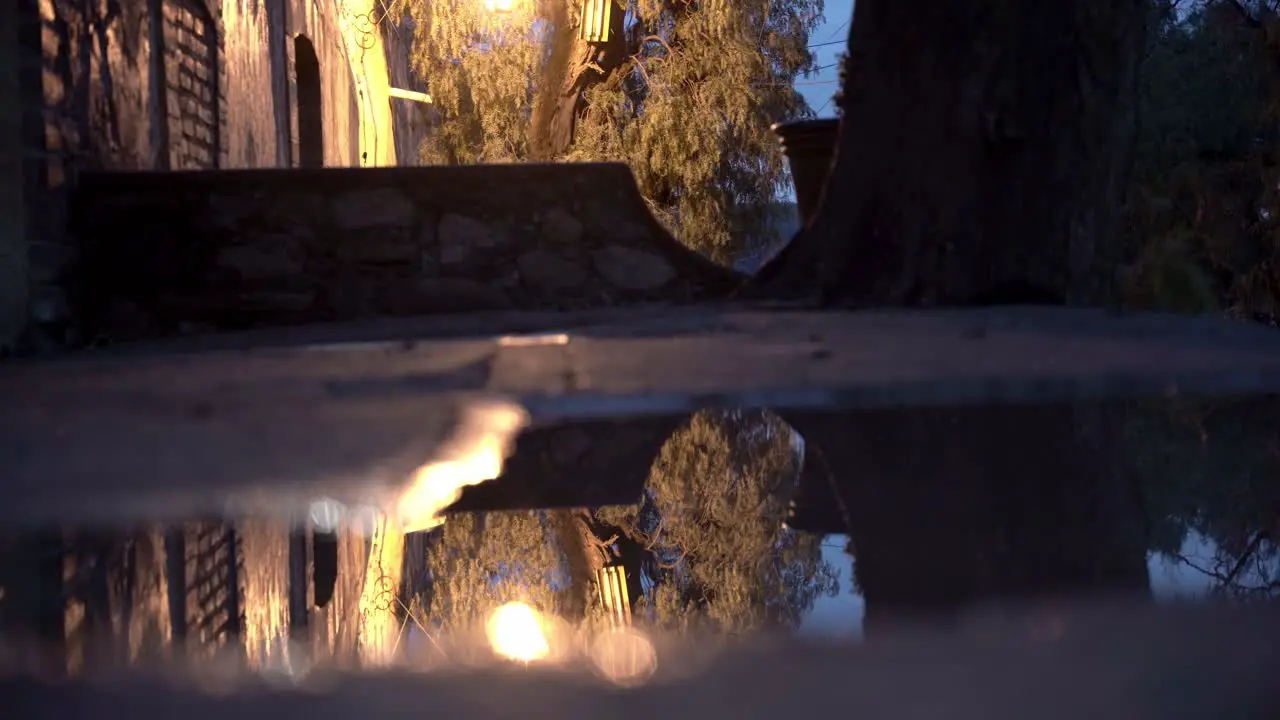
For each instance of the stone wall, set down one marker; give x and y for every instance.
(167, 254)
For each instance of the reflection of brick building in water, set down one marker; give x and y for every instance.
(163, 85)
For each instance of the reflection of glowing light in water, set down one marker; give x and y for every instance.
(363, 520)
(330, 516)
(515, 632)
(624, 656)
(287, 664)
(475, 454)
(327, 515)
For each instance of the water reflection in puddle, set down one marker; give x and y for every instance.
(706, 553)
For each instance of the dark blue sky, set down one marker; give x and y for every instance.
(819, 88)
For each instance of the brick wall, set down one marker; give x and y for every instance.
(195, 119)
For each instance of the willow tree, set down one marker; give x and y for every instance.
(682, 92)
(478, 562)
(716, 552)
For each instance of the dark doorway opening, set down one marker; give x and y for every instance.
(310, 117)
(324, 553)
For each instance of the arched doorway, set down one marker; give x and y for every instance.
(324, 553)
(310, 118)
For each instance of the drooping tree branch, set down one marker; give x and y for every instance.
(1244, 558)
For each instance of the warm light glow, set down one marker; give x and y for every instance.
(287, 663)
(500, 6)
(475, 454)
(624, 656)
(327, 515)
(515, 632)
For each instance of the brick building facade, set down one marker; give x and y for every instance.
(162, 85)
(152, 85)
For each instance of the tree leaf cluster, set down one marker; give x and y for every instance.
(689, 110)
(1203, 224)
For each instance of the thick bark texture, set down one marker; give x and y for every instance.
(982, 158)
(983, 143)
(573, 67)
(582, 552)
(589, 545)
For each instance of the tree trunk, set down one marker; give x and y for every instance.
(952, 508)
(588, 544)
(573, 67)
(982, 157)
(983, 144)
(583, 552)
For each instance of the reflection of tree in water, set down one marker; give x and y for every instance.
(478, 562)
(1202, 227)
(705, 547)
(1213, 468)
(713, 520)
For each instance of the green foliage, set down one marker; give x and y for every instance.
(689, 110)
(1203, 232)
(480, 68)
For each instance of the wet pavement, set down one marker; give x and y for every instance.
(1000, 548)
